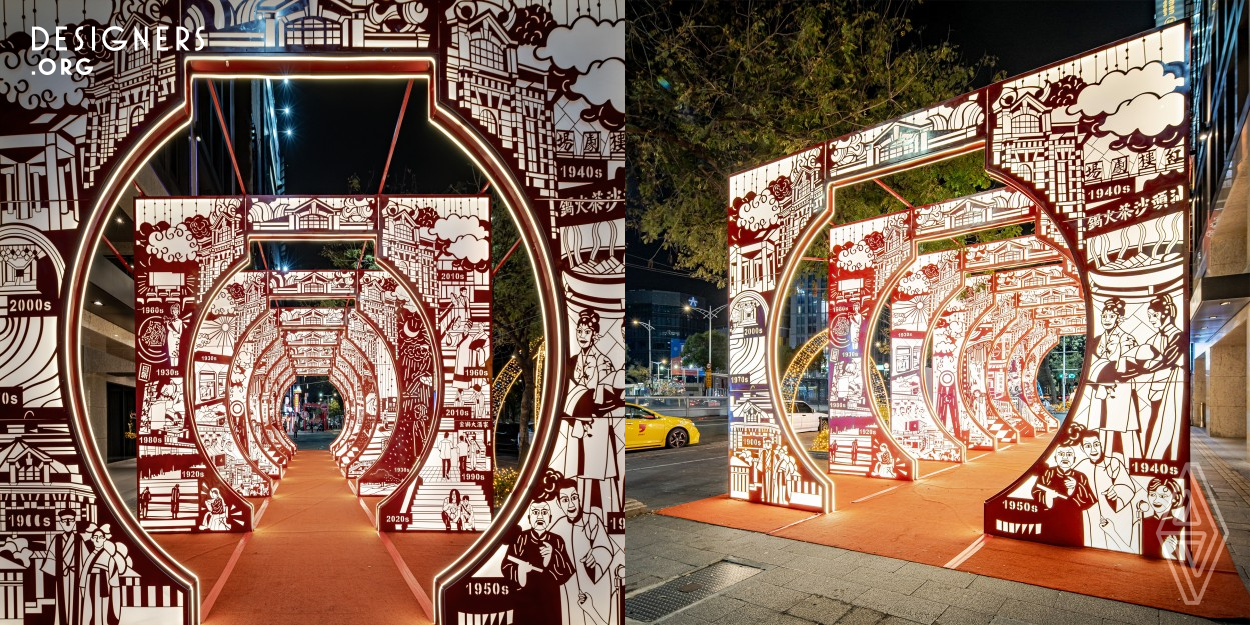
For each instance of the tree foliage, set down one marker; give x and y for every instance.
(515, 312)
(694, 352)
(1055, 363)
(718, 87)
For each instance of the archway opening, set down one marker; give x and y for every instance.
(312, 411)
(196, 168)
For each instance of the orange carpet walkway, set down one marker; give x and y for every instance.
(314, 559)
(938, 520)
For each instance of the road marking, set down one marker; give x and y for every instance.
(673, 464)
(968, 552)
(880, 492)
(975, 457)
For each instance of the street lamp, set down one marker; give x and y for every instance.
(710, 313)
(649, 328)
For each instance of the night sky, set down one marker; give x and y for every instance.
(344, 128)
(1022, 35)
(340, 128)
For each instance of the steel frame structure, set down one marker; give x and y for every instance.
(1097, 143)
(554, 153)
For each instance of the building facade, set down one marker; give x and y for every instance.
(665, 311)
(1219, 308)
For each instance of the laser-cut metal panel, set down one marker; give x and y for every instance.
(974, 362)
(950, 391)
(914, 304)
(456, 448)
(864, 256)
(1033, 360)
(1009, 325)
(52, 512)
(1018, 251)
(343, 216)
(1028, 333)
(1035, 298)
(571, 160)
(856, 451)
(268, 423)
(245, 395)
(182, 248)
(991, 209)
(381, 392)
(415, 371)
(402, 440)
(554, 146)
(911, 140)
(1100, 141)
(240, 304)
(994, 302)
(770, 209)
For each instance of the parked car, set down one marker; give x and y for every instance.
(647, 428)
(804, 419)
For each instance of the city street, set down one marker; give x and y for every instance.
(666, 477)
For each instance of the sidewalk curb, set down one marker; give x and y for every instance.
(634, 508)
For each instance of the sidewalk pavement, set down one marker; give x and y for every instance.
(803, 583)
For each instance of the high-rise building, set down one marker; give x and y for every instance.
(809, 308)
(1221, 212)
(665, 311)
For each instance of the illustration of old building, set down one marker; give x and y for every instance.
(123, 91)
(504, 96)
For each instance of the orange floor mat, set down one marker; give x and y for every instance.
(851, 488)
(428, 553)
(315, 559)
(936, 519)
(1215, 584)
(926, 468)
(205, 554)
(721, 510)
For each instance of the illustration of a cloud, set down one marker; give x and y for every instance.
(21, 84)
(470, 248)
(759, 213)
(172, 245)
(1148, 114)
(453, 227)
(855, 258)
(913, 284)
(1118, 87)
(584, 43)
(602, 83)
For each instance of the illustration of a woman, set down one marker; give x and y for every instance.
(1160, 524)
(1158, 385)
(1112, 411)
(174, 325)
(216, 518)
(592, 444)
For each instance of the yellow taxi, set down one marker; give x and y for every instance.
(647, 428)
